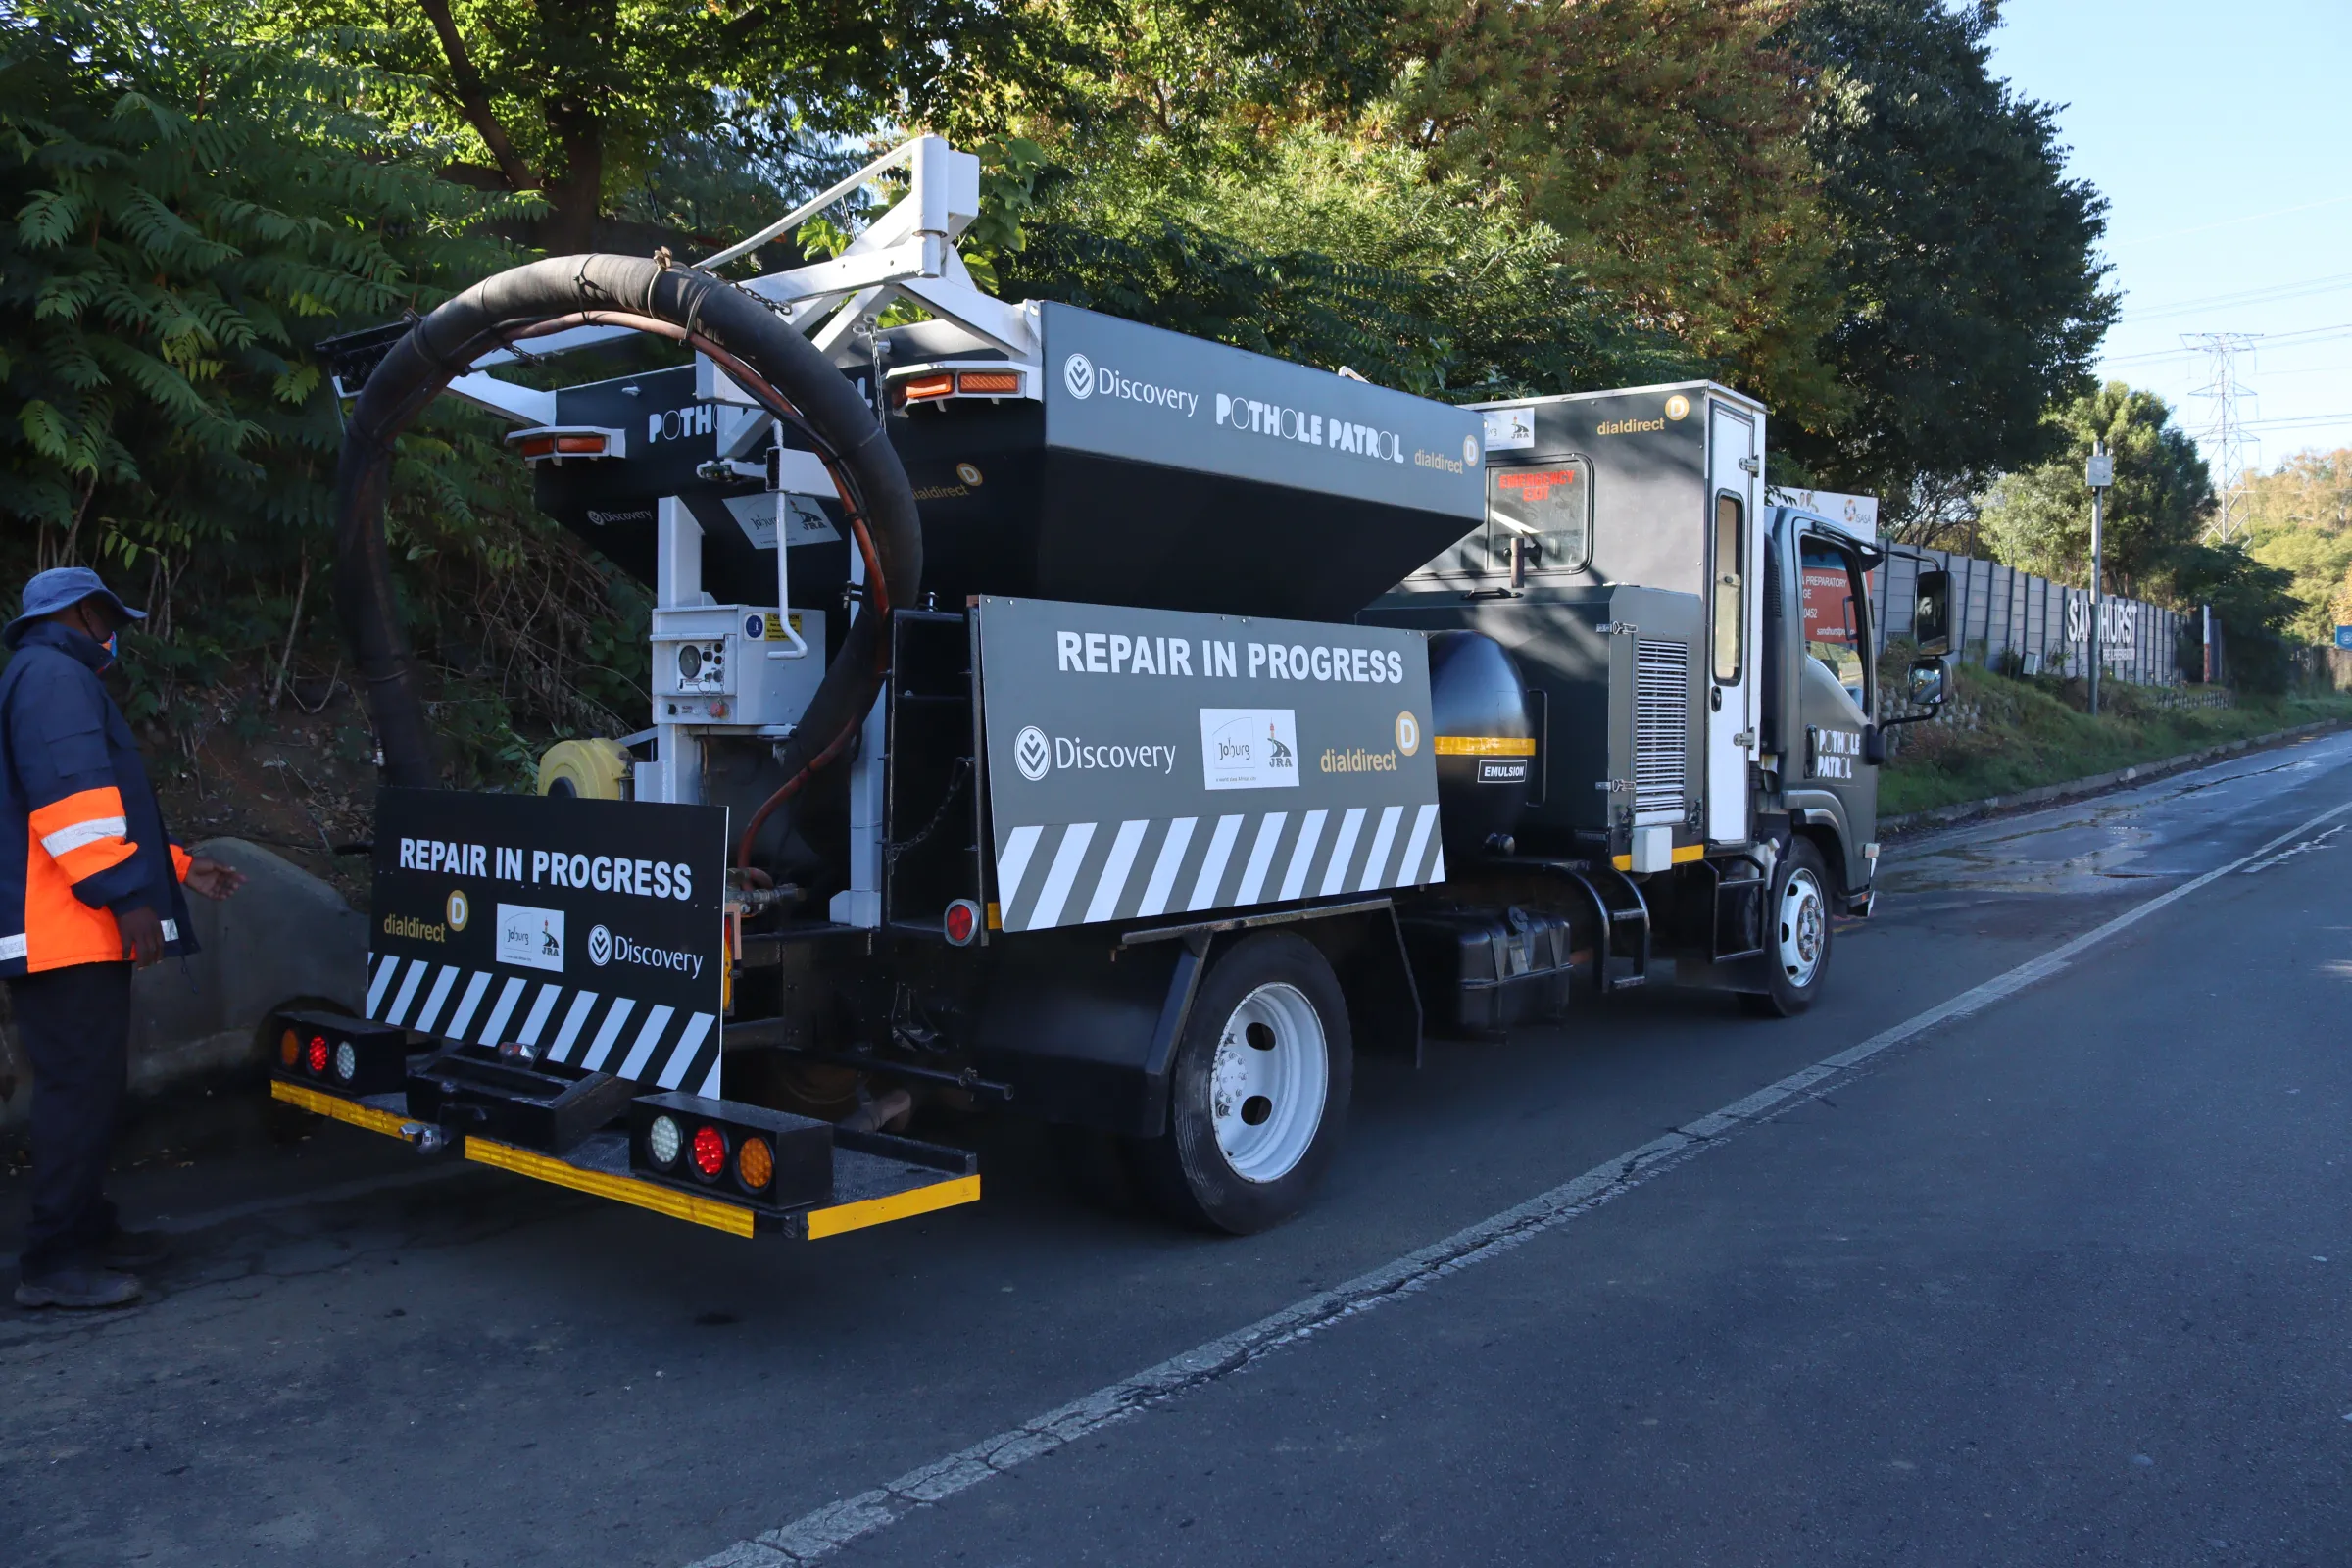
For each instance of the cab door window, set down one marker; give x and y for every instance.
(1836, 615)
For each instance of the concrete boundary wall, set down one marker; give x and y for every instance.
(1997, 610)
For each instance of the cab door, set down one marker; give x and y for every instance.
(1734, 577)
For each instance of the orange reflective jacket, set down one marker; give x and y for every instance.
(80, 833)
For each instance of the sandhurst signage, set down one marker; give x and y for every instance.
(589, 930)
(1146, 763)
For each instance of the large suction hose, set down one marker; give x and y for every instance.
(769, 359)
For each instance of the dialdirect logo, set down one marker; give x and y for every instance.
(411, 929)
(1677, 406)
(1408, 732)
(458, 909)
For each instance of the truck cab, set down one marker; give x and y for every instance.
(1701, 693)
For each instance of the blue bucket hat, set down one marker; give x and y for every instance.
(60, 586)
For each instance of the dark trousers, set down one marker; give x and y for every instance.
(76, 1026)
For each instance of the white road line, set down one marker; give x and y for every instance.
(818, 1535)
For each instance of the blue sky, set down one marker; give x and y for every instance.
(2204, 126)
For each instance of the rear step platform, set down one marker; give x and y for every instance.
(877, 1178)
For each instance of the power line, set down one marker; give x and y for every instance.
(2295, 339)
(2268, 295)
(2229, 222)
(2226, 440)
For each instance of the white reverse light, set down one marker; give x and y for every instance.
(661, 1140)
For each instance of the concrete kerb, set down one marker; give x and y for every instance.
(1992, 805)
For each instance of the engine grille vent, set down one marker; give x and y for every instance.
(1662, 729)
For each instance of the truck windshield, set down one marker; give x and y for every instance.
(1546, 506)
(1836, 615)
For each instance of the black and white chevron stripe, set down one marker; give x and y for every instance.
(1079, 873)
(596, 1030)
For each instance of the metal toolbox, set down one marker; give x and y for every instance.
(1480, 973)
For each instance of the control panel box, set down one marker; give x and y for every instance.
(732, 666)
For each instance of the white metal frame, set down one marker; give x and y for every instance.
(909, 251)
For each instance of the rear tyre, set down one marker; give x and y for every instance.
(1797, 935)
(1258, 1091)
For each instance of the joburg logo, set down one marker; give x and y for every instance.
(1078, 374)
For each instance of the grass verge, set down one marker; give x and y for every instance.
(2019, 734)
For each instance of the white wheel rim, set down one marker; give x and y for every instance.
(1804, 927)
(1267, 1088)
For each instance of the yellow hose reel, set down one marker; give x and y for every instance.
(593, 770)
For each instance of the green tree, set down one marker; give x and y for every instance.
(2298, 517)
(192, 210)
(604, 104)
(1663, 141)
(2038, 517)
(1334, 251)
(1972, 299)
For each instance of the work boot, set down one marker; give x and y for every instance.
(134, 1250)
(81, 1285)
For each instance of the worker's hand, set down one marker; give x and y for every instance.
(213, 879)
(142, 935)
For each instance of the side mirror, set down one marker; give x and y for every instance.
(1926, 688)
(1931, 620)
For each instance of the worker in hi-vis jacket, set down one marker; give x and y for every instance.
(89, 888)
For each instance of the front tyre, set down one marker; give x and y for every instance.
(1797, 935)
(1258, 1093)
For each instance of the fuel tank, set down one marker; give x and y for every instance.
(1484, 742)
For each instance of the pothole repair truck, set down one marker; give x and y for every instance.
(1059, 716)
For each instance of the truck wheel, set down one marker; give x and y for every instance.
(1257, 1094)
(1797, 935)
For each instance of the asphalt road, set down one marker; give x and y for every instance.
(2056, 1281)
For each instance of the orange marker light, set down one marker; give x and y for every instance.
(289, 1049)
(993, 383)
(754, 1164)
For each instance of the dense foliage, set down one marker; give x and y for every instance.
(189, 212)
(2298, 519)
(1971, 296)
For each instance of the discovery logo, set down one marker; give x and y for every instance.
(605, 945)
(1037, 754)
(1082, 379)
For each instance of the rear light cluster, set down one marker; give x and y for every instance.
(746, 1153)
(932, 385)
(347, 1056)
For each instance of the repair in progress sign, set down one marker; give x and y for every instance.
(590, 930)
(1143, 763)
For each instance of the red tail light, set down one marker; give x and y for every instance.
(963, 923)
(709, 1152)
(318, 1054)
